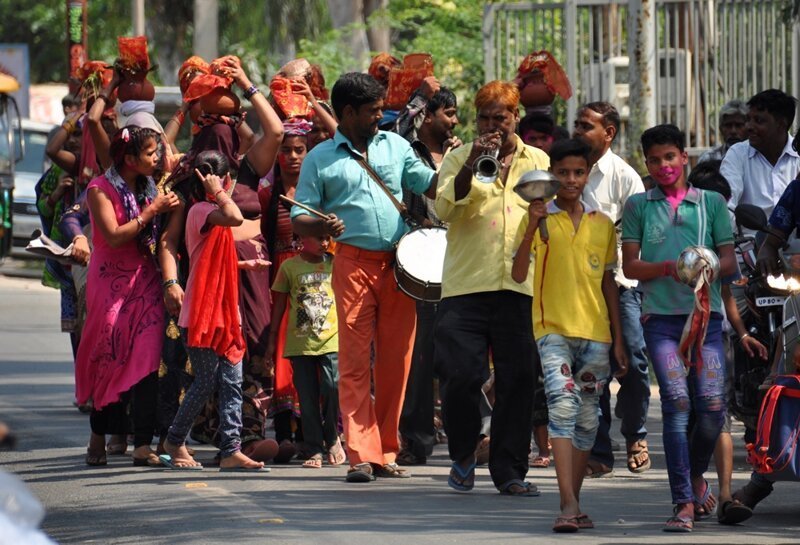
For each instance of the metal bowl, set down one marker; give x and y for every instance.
(537, 184)
(693, 260)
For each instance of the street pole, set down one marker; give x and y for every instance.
(206, 29)
(77, 48)
(137, 10)
(643, 75)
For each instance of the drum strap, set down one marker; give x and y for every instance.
(407, 216)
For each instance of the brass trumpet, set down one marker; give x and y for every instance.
(486, 167)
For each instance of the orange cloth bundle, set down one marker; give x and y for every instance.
(381, 66)
(94, 77)
(191, 67)
(133, 55)
(405, 79)
(554, 76)
(289, 102)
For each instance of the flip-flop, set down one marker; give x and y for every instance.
(315, 462)
(166, 459)
(529, 490)
(566, 524)
(336, 454)
(463, 474)
(701, 512)
(733, 512)
(542, 462)
(584, 522)
(678, 524)
(245, 469)
(151, 460)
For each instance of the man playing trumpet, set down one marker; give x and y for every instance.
(483, 310)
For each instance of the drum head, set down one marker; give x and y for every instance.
(421, 254)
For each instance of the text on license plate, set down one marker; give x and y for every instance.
(769, 301)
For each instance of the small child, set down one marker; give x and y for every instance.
(575, 312)
(312, 343)
(656, 227)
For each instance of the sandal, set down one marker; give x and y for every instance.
(151, 460)
(584, 522)
(704, 505)
(678, 524)
(407, 458)
(733, 512)
(750, 494)
(336, 454)
(638, 457)
(314, 462)
(566, 524)
(539, 461)
(95, 459)
(598, 470)
(523, 488)
(461, 479)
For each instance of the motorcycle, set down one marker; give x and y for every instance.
(770, 309)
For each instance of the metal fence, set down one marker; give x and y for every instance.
(708, 52)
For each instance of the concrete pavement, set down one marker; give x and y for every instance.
(122, 504)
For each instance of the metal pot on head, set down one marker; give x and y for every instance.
(538, 185)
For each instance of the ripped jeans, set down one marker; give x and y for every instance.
(575, 374)
(687, 456)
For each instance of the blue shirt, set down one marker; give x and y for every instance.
(786, 215)
(332, 181)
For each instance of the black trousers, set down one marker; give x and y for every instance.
(416, 418)
(113, 419)
(468, 327)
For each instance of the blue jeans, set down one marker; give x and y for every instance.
(575, 372)
(633, 397)
(210, 372)
(687, 457)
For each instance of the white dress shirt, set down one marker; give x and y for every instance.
(611, 182)
(754, 180)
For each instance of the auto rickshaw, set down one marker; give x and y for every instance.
(12, 149)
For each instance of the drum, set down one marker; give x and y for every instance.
(420, 260)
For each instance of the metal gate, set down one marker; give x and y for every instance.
(708, 52)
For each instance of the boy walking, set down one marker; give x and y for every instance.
(312, 343)
(656, 227)
(573, 324)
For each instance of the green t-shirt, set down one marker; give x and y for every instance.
(312, 328)
(663, 233)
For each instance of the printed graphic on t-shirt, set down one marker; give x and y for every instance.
(314, 304)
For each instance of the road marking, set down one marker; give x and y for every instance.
(235, 503)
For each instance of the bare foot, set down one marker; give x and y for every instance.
(97, 443)
(238, 459)
(180, 455)
(143, 452)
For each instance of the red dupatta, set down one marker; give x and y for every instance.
(214, 320)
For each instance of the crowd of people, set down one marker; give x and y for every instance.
(248, 282)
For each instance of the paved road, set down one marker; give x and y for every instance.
(291, 505)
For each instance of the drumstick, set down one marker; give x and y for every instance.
(304, 207)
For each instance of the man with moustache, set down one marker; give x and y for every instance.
(760, 168)
(371, 309)
(611, 182)
(483, 310)
(732, 120)
(430, 132)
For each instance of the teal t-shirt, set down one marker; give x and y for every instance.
(312, 328)
(663, 233)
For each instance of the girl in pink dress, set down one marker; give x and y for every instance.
(125, 312)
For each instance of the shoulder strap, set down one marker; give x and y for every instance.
(401, 207)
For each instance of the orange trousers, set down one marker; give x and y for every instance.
(372, 311)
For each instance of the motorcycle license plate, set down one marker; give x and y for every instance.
(769, 301)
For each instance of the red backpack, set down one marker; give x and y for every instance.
(774, 452)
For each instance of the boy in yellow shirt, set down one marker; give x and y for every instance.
(575, 312)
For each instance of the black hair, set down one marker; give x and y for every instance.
(443, 98)
(775, 102)
(665, 134)
(537, 122)
(355, 89)
(207, 162)
(560, 133)
(129, 140)
(706, 175)
(571, 147)
(607, 110)
(70, 101)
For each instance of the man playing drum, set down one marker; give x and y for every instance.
(484, 313)
(371, 310)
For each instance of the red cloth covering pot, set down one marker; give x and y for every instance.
(190, 69)
(381, 66)
(541, 69)
(133, 57)
(290, 103)
(405, 79)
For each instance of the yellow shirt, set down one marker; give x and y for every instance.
(568, 297)
(483, 225)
